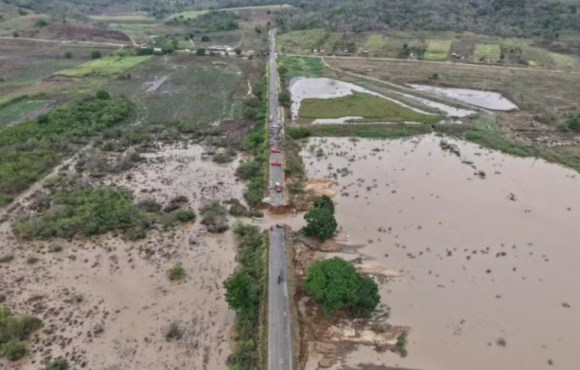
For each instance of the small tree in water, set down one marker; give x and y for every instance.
(320, 224)
(336, 286)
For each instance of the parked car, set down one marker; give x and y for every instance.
(278, 187)
(277, 164)
(275, 150)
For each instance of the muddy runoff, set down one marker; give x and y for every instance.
(108, 303)
(485, 246)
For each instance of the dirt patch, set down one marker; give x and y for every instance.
(235, 131)
(320, 187)
(77, 32)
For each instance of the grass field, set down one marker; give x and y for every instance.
(297, 66)
(104, 67)
(18, 111)
(563, 61)
(122, 18)
(437, 49)
(375, 42)
(483, 52)
(304, 42)
(185, 90)
(363, 105)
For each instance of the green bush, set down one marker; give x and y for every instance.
(573, 123)
(335, 285)
(324, 202)
(214, 217)
(320, 224)
(96, 54)
(103, 95)
(14, 331)
(176, 273)
(297, 133)
(14, 350)
(68, 55)
(58, 364)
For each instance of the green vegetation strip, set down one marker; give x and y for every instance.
(30, 149)
(80, 209)
(255, 171)
(362, 105)
(246, 292)
(105, 67)
(379, 131)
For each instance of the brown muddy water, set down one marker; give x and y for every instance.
(108, 303)
(488, 260)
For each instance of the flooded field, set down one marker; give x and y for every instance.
(325, 88)
(486, 246)
(483, 99)
(108, 303)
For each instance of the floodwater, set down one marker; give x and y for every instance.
(109, 300)
(489, 260)
(484, 99)
(326, 88)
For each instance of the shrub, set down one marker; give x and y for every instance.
(14, 350)
(68, 55)
(103, 95)
(336, 286)
(96, 54)
(324, 202)
(174, 332)
(184, 215)
(297, 133)
(214, 217)
(320, 223)
(573, 123)
(32, 260)
(249, 170)
(402, 345)
(14, 331)
(221, 158)
(176, 273)
(200, 52)
(205, 38)
(58, 364)
(7, 258)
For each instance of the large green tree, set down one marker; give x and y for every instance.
(336, 285)
(320, 223)
(240, 293)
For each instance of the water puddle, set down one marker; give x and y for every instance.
(484, 99)
(325, 88)
(486, 245)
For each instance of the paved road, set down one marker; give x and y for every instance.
(276, 129)
(279, 335)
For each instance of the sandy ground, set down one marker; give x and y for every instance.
(107, 302)
(485, 246)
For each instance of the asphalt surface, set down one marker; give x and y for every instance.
(279, 335)
(276, 130)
